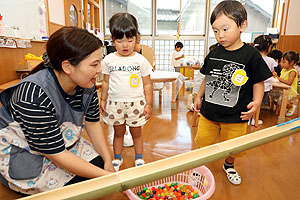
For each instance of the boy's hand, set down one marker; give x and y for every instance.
(197, 104)
(103, 108)
(148, 111)
(182, 56)
(252, 106)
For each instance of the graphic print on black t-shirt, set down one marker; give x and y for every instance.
(219, 88)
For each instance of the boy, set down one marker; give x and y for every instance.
(177, 56)
(276, 55)
(233, 86)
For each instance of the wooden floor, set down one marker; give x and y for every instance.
(269, 172)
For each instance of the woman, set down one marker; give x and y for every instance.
(41, 119)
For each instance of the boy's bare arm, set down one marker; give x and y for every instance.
(182, 56)
(198, 100)
(258, 93)
(148, 95)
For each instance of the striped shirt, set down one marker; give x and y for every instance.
(33, 110)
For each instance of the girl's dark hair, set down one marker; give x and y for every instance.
(69, 43)
(122, 24)
(291, 56)
(263, 42)
(232, 9)
(275, 54)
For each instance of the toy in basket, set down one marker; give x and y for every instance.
(198, 184)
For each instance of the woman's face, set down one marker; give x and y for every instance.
(86, 73)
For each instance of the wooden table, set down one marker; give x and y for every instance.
(285, 94)
(191, 67)
(7, 85)
(175, 77)
(164, 80)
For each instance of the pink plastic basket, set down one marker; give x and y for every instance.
(200, 178)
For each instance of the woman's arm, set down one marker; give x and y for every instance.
(148, 95)
(104, 94)
(95, 132)
(258, 93)
(76, 165)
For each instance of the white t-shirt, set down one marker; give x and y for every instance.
(176, 54)
(271, 64)
(125, 76)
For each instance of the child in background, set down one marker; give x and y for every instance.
(177, 55)
(288, 76)
(126, 96)
(263, 44)
(276, 55)
(138, 47)
(297, 67)
(233, 87)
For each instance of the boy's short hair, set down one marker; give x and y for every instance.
(178, 45)
(275, 54)
(232, 9)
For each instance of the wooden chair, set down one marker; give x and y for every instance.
(148, 53)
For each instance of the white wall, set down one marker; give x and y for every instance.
(293, 26)
(57, 11)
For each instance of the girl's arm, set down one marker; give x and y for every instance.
(290, 80)
(95, 132)
(104, 94)
(258, 93)
(198, 100)
(76, 165)
(148, 95)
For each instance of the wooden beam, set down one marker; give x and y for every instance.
(286, 16)
(93, 2)
(132, 177)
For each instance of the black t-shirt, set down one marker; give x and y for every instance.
(223, 100)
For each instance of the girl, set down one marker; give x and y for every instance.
(263, 44)
(41, 119)
(289, 76)
(127, 89)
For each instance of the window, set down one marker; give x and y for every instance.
(167, 17)
(192, 50)
(192, 20)
(112, 7)
(190, 15)
(259, 17)
(141, 9)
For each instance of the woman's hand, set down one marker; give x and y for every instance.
(108, 166)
